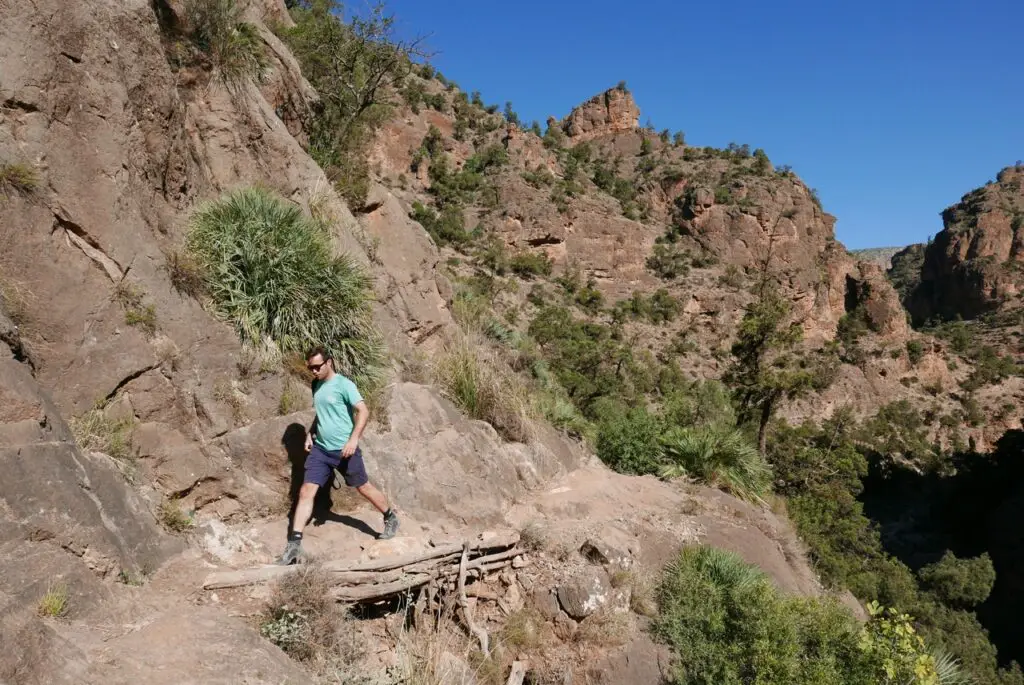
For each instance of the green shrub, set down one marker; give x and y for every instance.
(269, 270)
(234, 46)
(963, 583)
(530, 264)
(915, 351)
(719, 458)
(628, 441)
(668, 261)
(729, 625)
(446, 227)
(990, 367)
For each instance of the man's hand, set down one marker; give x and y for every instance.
(309, 441)
(350, 448)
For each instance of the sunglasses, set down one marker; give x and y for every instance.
(316, 367)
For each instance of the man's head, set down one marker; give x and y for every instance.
(319, 363)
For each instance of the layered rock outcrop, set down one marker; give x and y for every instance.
(976, 263)
(613, 111)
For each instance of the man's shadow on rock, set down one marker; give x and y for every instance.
(294, 442)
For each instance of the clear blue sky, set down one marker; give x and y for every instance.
(892, 110)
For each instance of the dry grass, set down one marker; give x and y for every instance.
(289, 401)
(474, 377)
(423, 657)
(605, 628)
(303, 620)
(136, 312)
(94, 431)
(167, 352)
(525, 630)
(54, 604)
(15, 299)
(226, 391)
(185, 275)
(533, 536)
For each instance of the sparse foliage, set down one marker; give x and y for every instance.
(356, 68)
(234, 46)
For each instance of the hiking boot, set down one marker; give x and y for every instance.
(291, 553)
(390, 526)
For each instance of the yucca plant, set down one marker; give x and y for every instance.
(269, 270)
(949, 670)
(718, 457)
(724, 570)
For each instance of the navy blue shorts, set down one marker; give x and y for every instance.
(320, 463)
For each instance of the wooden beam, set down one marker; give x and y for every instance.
(343, 568)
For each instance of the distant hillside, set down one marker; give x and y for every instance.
(877, 255)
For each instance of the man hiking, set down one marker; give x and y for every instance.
(333, 443)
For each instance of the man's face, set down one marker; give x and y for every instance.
(318, 366)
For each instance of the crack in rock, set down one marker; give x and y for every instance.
(129, 378)
(87, 244)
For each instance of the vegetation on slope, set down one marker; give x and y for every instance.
(729, 624)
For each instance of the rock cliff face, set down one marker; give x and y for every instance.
(612, 111)
(976, 263)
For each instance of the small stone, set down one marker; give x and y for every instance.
(520, 561)
(582, 596)
(565, 627)
(545, 601)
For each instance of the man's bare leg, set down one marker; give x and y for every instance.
(303, 512)
(378, 500)
(375, 496)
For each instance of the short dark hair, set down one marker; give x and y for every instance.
(318, 350)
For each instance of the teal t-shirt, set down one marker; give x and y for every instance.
(334, 402)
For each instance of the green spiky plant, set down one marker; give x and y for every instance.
(718, 457)
(269, 270)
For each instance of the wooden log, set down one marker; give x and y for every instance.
(363, 593)
(467, 613)
(226, 579)
(518, 673)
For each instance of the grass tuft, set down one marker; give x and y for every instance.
(216, 28)
(54, 604)
(174, 518)
(94, 431)
(17, 177)
(483, 386)
(136, 312)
